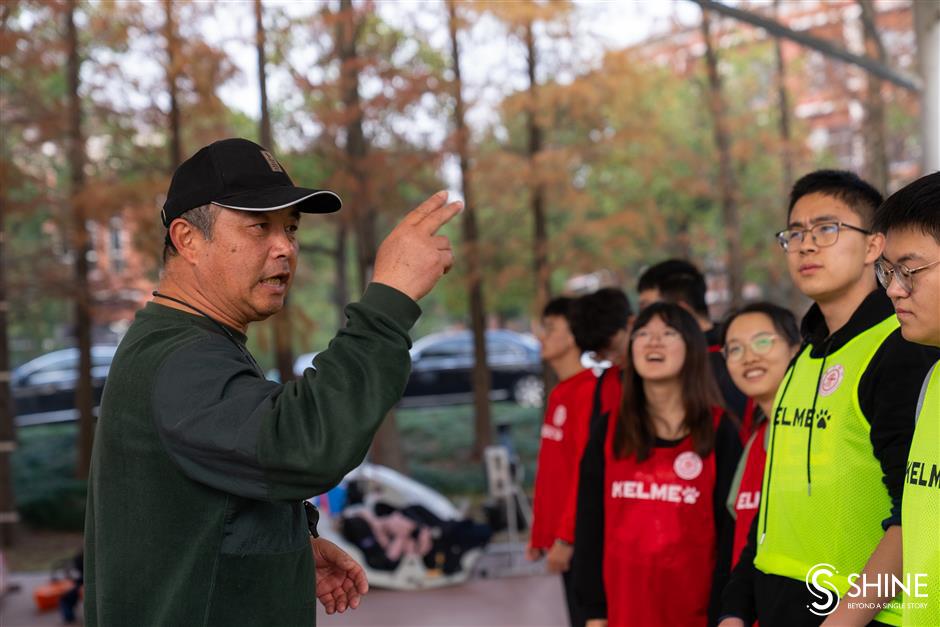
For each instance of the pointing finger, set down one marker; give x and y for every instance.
(439, 217)
(430, 205)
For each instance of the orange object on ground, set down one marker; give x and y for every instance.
(47, 595)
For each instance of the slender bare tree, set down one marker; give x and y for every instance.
(283, 350)
(873, 127)
(386, 448)
(726, 181)
(482, 423)
(172, 75)
(80, 245)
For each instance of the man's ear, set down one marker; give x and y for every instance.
(876, 246)
(186, 238)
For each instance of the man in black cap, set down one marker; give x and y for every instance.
(196, 510)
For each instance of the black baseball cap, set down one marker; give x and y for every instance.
(239, 174)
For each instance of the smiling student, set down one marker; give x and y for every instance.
(841, 424)
(758, 341)
(653, 536)
(910, 271)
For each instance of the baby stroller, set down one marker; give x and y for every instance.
(406, 535)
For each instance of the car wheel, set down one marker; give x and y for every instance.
(529, 391)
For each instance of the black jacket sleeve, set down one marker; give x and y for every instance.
(727, 454)
(588, 558)
(888, 393)
(737, 598)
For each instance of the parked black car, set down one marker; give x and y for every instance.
(44, 388)
(442, 365)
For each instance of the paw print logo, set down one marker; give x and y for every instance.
(690, 495)
(823, 419)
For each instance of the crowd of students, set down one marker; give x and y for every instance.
(756, 471)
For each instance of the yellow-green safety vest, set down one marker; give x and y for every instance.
(823, 495)
(920, 511)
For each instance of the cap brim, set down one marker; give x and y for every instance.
(272, 198)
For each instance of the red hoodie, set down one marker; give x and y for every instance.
(564, 434)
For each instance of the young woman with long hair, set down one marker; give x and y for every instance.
(653, 535)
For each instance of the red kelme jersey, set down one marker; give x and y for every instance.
(659, 536)
(610, 402)
(564, 435)
(747, 493)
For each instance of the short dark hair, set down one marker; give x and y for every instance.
(202, 217)
(596, 318)
(678, 281)
(782, 318)
(559, 306)
(914, 206)
(860, 196)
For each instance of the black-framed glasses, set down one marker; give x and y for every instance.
(760, 344)
(823, 234)
(887, 272)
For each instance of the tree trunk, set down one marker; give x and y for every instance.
(8, 514)
(873, 128)
(83, 390)
(172, 71)
(341, 288)
(283, 350)
(482, 423)
(537, 190)
(386, 448)
(927, 31)
(729, 209)
(793, 295)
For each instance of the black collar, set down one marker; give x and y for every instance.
(875, 308)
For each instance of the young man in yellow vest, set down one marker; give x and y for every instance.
(840, 431)
(910, 270)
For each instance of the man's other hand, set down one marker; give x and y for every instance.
(413, 258)
(532, 553)
(341, 582)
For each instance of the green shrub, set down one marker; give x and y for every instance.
(47, 494)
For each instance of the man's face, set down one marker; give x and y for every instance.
(556, 338)
(918, 310)
(826, 273)
(648, 297)
(247, 266)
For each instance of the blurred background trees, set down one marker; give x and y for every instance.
(583, 157)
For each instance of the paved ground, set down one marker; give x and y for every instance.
(525, 601)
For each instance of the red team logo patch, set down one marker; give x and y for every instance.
(688, 465)
(831, 380)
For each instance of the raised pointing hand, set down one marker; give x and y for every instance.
(413, 258)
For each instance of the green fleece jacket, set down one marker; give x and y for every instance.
(200, 465)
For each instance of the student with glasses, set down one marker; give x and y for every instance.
(910, 220)
(653, 536)
(758, 342)
(840, 426)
